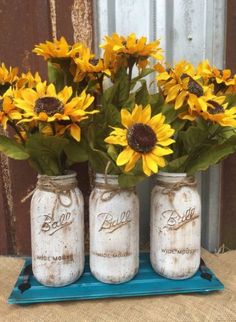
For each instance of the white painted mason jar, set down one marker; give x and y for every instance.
(175, 226)
(114, 231)
(57, 230)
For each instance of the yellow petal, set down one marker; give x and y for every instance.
(173, 92)
(180, 99)
(124, 156)
(132, 162)
(126, 118)
(146, 169)
(75, 132)
(159, 151)
(152, 165)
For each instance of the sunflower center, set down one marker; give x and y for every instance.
(195, 88)
(141, 138)
(48, 105)
(217, 108)
(1, 104)
(94, 61)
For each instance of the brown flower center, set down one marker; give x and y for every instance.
(94, 61)
(195, 88)
(141, 138)
(48, 105)
(217, 108)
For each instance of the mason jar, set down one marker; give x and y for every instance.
(114, 231)
(175, 226)
(57, 230)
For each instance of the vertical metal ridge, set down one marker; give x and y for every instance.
(169, 12)
(111, 6)
(153, 20)
(96, 28)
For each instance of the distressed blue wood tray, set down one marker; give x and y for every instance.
(146, 283)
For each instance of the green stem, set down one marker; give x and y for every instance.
(131, 62)
(100, 82)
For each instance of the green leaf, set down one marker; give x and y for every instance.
(12, 149)
(142, 95)
(76, 151)
(99, 160)
(145, 72)
(56, 75)
(112, 152)
(129, 104)
(231, 99)
(212, 155)
(177, 165)
(193, 138)
(129, 181)
(46, 153)
(112, 115)
(178, 124)
(122, 92)
(170, 113)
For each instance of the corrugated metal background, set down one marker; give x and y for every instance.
(188, 29)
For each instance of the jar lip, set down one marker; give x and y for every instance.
(172, 174)
(69, 175)
(102, 176)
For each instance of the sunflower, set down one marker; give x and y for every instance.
(44, 104)
(7, 77)
(8, 111)
(210, 107)
(86, 64)
(221, 80)
(53, 49)
(143, 138)
(28, 80)
(121, 50)
(178, 84)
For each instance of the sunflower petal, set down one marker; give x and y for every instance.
(75, 132)
(124, 156)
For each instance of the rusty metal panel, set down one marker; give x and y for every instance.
(24, 24)
(228, 188)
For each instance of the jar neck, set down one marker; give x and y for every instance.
(66, 182)
(111, 180)
(171, 177)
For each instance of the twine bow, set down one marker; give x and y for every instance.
(170, 189)
(45, 183)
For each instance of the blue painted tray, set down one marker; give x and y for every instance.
(146, 283)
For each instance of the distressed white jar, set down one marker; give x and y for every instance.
(57, 230)
(114, 231)
(175, 226)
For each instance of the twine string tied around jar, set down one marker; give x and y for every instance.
(45, 183)
(111, 190)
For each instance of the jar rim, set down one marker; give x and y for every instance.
(172, 174)
(109, 176)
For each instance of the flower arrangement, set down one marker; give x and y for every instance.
(102, 110)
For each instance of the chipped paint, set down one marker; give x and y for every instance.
(81, 17)
(114, 231)
(175, 228)
(53, 18)
(7, 182)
